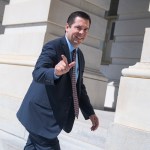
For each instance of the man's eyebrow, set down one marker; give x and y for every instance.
(82, 26)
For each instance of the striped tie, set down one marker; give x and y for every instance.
(74, 88)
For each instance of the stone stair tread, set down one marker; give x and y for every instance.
(10, 142)
(87, 125)
(105, 118)
(81, 137)
(82, 132)
(71, 143)
(97, 141)
(81, 129)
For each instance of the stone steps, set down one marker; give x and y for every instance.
(81, 132)
(10, 142)
(81, 137)
(70, 143)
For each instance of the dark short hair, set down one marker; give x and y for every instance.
(75, 14)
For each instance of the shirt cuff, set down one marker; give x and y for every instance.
(55, 76)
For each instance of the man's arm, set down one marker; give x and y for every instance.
(44, 68)
(48, 67)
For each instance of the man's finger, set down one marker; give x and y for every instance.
(64, 59)
(72, 64)
(95, 122)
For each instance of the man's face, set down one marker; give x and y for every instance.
(77, 32)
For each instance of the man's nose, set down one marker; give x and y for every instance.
(81, 31)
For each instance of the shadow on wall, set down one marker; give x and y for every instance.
(2, 8)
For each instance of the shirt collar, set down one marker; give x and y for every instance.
(71, 47)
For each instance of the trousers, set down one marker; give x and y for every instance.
(36, 142)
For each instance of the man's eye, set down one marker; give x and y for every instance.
(86, 30)
(79, 28)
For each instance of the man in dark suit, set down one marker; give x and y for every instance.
(48, 107)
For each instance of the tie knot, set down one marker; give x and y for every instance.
(74, 51)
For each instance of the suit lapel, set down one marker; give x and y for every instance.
(79, 63)
(65, 49)
(66, 52)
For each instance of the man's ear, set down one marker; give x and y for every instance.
(66, 27)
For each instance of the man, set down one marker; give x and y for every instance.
(49, 106)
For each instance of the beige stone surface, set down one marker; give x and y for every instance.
(100, 3)
(133, 99)
(133, 9)
(131, 27)
(133, 103)
(95, 84)
(126, 48)
(15, 81)
(22, 12)
(28, 44)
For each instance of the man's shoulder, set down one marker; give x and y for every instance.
(80, 52)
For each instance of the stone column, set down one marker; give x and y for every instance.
(131, 128)
(126, 47)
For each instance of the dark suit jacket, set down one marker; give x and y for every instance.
(47, 107)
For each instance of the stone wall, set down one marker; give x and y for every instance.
(133, 18)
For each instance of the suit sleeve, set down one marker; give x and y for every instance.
(44, 68)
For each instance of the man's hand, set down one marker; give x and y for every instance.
(63, 67)
(95, 122)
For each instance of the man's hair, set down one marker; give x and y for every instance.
(75, 14)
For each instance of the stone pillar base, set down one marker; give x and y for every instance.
(125, 138)
(96, 85)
